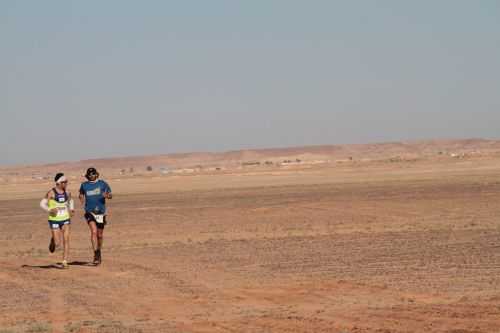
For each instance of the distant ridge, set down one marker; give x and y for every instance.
(410, 149)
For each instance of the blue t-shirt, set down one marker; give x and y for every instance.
(94, 199)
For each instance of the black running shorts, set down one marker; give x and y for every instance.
(91, 218)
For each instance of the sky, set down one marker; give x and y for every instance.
(93, 79)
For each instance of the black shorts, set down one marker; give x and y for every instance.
(58, 224)
(91, 218)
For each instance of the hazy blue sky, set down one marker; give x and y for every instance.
(81, 79)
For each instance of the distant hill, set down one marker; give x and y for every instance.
(413, 149)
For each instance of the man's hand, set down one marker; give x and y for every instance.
(82, 199)
(53, 212)
(72, 213)
(107, 195)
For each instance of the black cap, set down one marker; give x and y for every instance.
(91, 172)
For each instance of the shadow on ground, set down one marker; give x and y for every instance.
(59, 265)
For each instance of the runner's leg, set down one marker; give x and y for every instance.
(52, 243)
(100, 238)
(56, 236)
(93, 235)
(65, 234)
(95, 242)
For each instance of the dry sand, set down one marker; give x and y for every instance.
(405, 246)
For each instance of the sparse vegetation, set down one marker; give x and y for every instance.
(250, 163)
(100, 326)
(39, 328)
(6, 330)
(72, 327)
(116, 326)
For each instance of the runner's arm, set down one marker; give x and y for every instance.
(44, 204)
(71, 203)
(107, 191)
(81, 195)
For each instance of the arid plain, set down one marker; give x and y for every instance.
(360, 239)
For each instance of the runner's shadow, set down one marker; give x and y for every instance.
(52, 266)
(80, 263)
(59, 265)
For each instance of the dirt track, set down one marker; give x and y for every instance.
(375, 250)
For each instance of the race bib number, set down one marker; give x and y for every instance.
(99, 218)
(62, 211)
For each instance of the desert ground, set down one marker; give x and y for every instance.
(386, 246)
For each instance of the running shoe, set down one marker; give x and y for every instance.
(97, 257)
(64, 264)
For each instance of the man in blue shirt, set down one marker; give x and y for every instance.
(93, 195)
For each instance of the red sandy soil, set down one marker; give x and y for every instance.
(377, 247)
